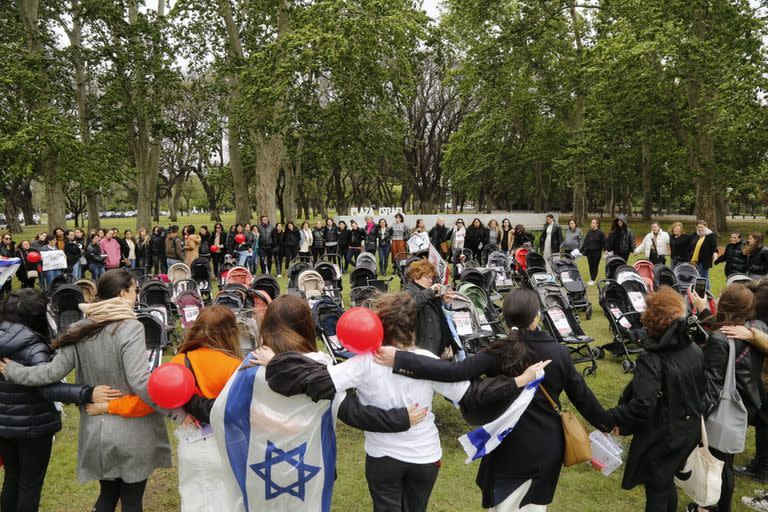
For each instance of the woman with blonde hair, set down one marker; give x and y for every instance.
(679, 243)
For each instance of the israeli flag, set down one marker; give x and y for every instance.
(482, 441)
(281, 451)
(8, 267)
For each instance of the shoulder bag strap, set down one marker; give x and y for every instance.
(188, 364)
(549, 399)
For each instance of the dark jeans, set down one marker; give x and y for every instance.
(279, 263)
(729, 481)
(317, 253)
(265, 259)
(661, 497)
(593, 259)
(399, 486)
(384, 251)
(761, 436)
(290, 255)
(352, 254)
(218, 259)
(159, 264)
(341, 258)
(26, 462)
(129, 495)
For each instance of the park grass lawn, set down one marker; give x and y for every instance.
(581, 488)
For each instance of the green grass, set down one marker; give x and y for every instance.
(580, 488)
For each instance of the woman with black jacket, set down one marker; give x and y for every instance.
(661, 406)
(507, 236)
(477, 237)
(143, 249)
(29, 418)
(432, 330)
(73, 251)
(277, 246)
(343, 246)
(438, 237)
(521, 237)
(8, 250)
(620, 241)
(679, 243)
(735, 307)
(525, 467)
(356, 240)
(219, 239)
(157, 250)
(318, 242)
(703, 249)
(734, 256)
(27, 272)
(757, 256)
(384, 243)
(291, 242)
(592, 247)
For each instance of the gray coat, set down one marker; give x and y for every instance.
(109, 447)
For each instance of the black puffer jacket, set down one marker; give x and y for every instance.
(157, 243)
(661, 407)
(757, 263)
(432, 330)
(27, 412)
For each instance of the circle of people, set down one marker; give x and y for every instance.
(122, 436)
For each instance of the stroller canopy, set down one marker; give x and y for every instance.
(366, 260)
(239, 275)
(267, 283)
(663, 276)
(361, 277)
(498, 259)
(534, 260)
(293, 273)
(311, 284)
(330, 272)
(179, 271)
(686, 275)
(201, 269)
(88, 288)
(485, 278)
(612, 263)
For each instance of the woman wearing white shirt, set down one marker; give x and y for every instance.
(419, 240)
(458, 235)
(305, 240)
(655, 245)
(401, 468)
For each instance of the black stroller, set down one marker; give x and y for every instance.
(631, 280)
(155, 335)
(685, 275)
(64, 309)
(364, 285)
(624, 322)
(201, 274)
(487, 250)
(268, 284)
(612, 263)
(60, 280)
(326, 313)
(663, 276)
(536, 274)
(331, 274)
(297, 267)
(461, 259)
(568, 275)
(158, 295)
(561, 322)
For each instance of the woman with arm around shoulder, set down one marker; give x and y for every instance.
(29, 419)
(661, 406)
(109, 346)
(522, 472)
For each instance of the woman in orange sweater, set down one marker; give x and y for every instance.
(211, 351)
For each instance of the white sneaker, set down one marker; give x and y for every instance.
(760, 504)
(591, 283)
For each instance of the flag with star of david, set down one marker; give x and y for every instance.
(279, 452)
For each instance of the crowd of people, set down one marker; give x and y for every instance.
(679, 378)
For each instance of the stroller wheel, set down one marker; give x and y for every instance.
(627, 366)
(590, 370)
(588, 312)
(598, 352)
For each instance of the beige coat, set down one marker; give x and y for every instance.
(191, 248)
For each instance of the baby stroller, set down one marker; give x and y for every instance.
(189, 303)
(663, 276)
(88, 288)
(633, 283)
(157, 294)
(366, 260)
(239, 275)
(685, 275)
(611, 264)
(499, 262)
(248, 331)
(312, 286)
(624, 322)
(179, 271)
(567, 274)
(487, 312)
(64, 308)
(261, 301)
(224, 269)
(297, 267)
(155, 334)
(461, 259)
(487, 250)
(561, 322)
(230, 299)
(645, 269)
(519, 266)
(268, 284)
(201, 273)
(331, 275)
(60, 280)
(463, 317)
(364, 285)
(182, 286)
(485, 278)
(137, 272)
(326, 313)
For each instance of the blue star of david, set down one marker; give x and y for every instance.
(295, 458)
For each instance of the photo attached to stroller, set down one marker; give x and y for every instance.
(488, 315)
(568, 275)
(635, 286)
(464, 319)
(500, 263)
(624, 322)
(560, 321)
(189, 303)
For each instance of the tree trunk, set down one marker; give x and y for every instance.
(12, 208)
(25, 202)
(579, 183)
(92, 200)
(291, 172)
(645, 150)
(539, 194)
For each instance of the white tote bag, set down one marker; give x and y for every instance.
(702, 476)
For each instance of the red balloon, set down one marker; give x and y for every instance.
(239, 238)
(33, 257)
(171, 385)
(360, 330)
(214, 248)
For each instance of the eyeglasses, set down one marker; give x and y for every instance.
(6, 238)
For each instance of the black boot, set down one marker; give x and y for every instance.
(756, 469)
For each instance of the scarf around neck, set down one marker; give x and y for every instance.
(108, 310)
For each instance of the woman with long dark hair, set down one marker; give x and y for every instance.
(477, 237)
(757, 256)
(219, 239)
(523, 470)
(592, 247)
(620, 241)
(108, 346)
(29, 418)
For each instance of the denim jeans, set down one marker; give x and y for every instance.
(77, 271)
(383, 258)
(97, 269)
(50, 275)
(352, 254)
(703, 272)
(242, 256)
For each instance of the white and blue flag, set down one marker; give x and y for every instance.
(281, 451)
(482, 441)
(8, 267)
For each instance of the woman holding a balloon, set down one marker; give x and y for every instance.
(108, 346)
